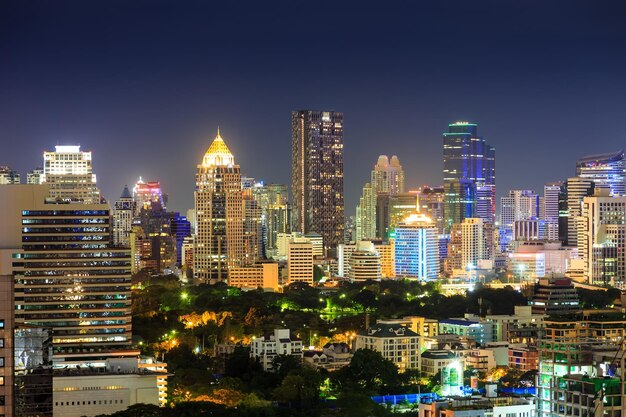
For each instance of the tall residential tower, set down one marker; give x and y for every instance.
(317, 174)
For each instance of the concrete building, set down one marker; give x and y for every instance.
(69, 174)
(490, 406)
(522, 316)
(8, 176)
(524, 358)
(219, 243)
(332, 357)
(473, 243)
(263, 275)
(602, 239)
(317, 174)
(123, 213)
(300, 261)
(470, 326)
(280, 342)
(577, 189)
(365, 262)
(35, 176)
(7, 323)
(605, 170)
(397, 343)
(555, 297)
(417, 248)
(384, 250)
(434, 361)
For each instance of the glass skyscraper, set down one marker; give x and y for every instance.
(317, 174)
(467, 157)
(416, 248)
(606, 171)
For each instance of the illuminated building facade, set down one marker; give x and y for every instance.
(35, 176)
(431, 202)
(473, 247)
(365, 262)
(468, 163)
(9, 176)
(123, 213)
(252, 228)
(300, 260)
(554, 209)
(602, 237)
(68, 275)
(147, 194)
(396, 343)
(317, 175)
(605, 170)
(417, 248)
(7, 322)
(577, 189)
(219, 240)
(68, 172)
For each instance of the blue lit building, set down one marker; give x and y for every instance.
(416, 248)
(468, 164)
(180, 228)
(606, 171)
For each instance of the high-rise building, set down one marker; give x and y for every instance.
(602, 238)
(123, 213)
(180, 229)
(467, 157)
(431, 201)
(252, 228)
(317, 174)
(8, 176)
(518, 205)
(460, 201)
(148, 193)
(554, 196)
(35, 176)
(577, 189)
(388, 176)
(366, 214)
(365, 262)
(219, 240)
(486, 203)
(605, 170)
(472, 243)
(300, 260)
(417, 248)
(68, 275)
(69, 173)
(276, 212)
(7, 324)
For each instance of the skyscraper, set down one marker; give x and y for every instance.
(387, 178)
(219, 242)
(605, 170)
(554, 195)
(417, 248)
(123, 213)
(317, 174)
(69, 173)
(577, 189)
(468, 157)
(459, 201)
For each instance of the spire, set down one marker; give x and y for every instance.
(218, 153)
(126, 192)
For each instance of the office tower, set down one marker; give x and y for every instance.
(400, 206)
(35, 176)
(467, 156)
(365, 262)
(417, 248)
(8, 176)
(431, 201)
(191, 216)
(460, 201)
(317, 174)
(252, 228)
(180, 229)
(486, 203)
(554, 195)
(385, 251)
(454, 254)
(472, 243)
(577, 189)
(148, 193)
(602, 237)
(388, 177)
(366, 214)
(532, 229)
(123, 212)
(68, 275)
(69, 173)
(278, 214)
(262, 275)
(219, 240)
(518, 205)
(605, 170)
(300, 260)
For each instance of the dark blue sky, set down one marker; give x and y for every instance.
(144, 84)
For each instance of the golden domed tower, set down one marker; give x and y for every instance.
(219, 215)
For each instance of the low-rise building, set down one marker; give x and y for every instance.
(397, 343)
(470, 325)
(523, 357)
(479, 407)
(262, 275)
(433, 361)
(280, 342)
(332, 357)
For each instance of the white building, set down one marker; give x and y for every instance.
(417, 248)
(69, 173)
(123, 213)
(397, 343)
(601, 238)
(365, 262)
(472, 242)
(300, 261)
(282, 243)
(280, 342)
(577, 189)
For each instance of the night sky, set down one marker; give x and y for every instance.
(144, 84)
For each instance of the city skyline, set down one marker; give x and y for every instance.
(159, 105)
